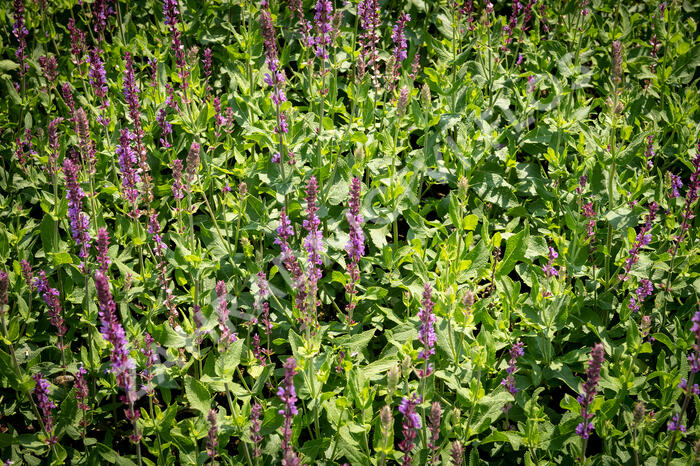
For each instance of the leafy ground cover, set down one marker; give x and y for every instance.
(349, 232)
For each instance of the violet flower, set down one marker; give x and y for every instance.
(400, 47)
(368, 11)
(410, 427)
(212, 435)
(177, 186)
(426, 333)
(644, 290)
(49, 67)
(227, 337)
(590, 387)
(207, 62)
(98, 81)
(549, 270)
(20, 31)
(28, 274)
(675, 424)
(287, 394)
(255, 426)
(54, 146)
(81, 392)
(131, 95)
(51, 298)
(676, 184)
(694, 358)
(128, 165)
(166, 128)
(159, 248)
(643, 238)
(434, 426)
(171, 15)
(313, 243)
(516, 351)
(355, 246)
(323, 18)
(192, 164)
(589, 213)
(153, 67)
(79, 220)
(690, 197)
(649, 151)
(70, 103)
(103, 250)
(101, 12)
(276, 77)
(85, 143)
(77, 43)
(284, 232)
(41, 392)
(151, 359)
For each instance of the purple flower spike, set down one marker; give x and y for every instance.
(287, 394)
(128, 165)
(368, 10)
(549, 270)
(255, 426)
(103, 250)
(41, 392)
(516, 351)
(426, 333)
(227, 337)
(313, 243)
(411, 425)
(355, 246)
(590, 387)
(323, 20)
(51, 298)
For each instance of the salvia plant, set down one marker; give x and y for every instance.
(353, 232)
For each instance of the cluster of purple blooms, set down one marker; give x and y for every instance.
(400, 47)
(79, 220)
(255, 426)
(649, 151)
(590, 387)
(355, 246)
(289, 259)
(101, 12)
(368, 11)
(643, 291)
(81, 392)
(643, 238)
(690, 197)
(166, 128)
(54, 146)
(171, 14)
(131, 95)
(410, 427)
(20, 31)
(323, 20)
(227, 336)
(694, 358)
(50, 296)
(121, 363)
(159, 248)
(676, 184)
(98, 80)
(276, 77)
(128, 165)
(426, 332)
(86, 146)
(77, 43)
(151, 360)
(313, 243)
(288, 395)
(41, 392)
(516, 351)
(548, 269)
(103, 250)
(212, 434)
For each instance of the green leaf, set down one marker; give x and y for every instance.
(516, 246)
(197, 394)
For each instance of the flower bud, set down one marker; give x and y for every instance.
(406, 365)
(402, 102)
(387, 419)
(392, 378)
(639, 412)
(425, 97)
